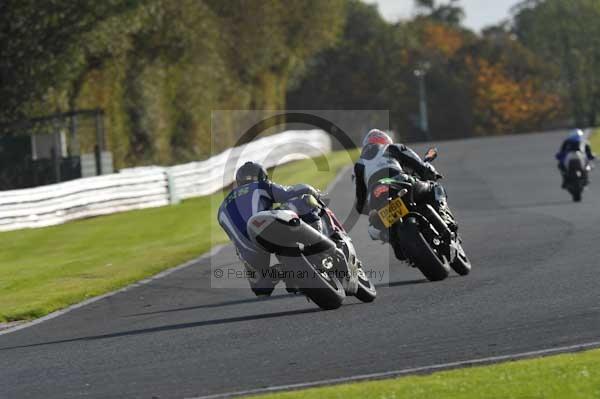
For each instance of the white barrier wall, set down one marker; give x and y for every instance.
(149, 187)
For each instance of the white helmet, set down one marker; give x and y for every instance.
(376, 136)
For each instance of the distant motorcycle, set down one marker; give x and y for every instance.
(417, 232)
(322, 265)
(577, 170)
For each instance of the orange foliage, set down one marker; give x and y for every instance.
(503, 105)
(442, 38)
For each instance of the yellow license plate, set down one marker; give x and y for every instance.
(393, 212)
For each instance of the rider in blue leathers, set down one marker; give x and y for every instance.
(254, 192)
(575, 142)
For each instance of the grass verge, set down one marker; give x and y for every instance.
(570, 376)
(42, 270)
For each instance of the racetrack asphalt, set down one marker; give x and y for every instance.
(534, 286)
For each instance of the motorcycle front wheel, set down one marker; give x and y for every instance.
(461, 264)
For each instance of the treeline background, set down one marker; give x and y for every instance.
(159, 67)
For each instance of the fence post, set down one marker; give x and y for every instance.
(99, 147)
(98, 157)
(171, 188)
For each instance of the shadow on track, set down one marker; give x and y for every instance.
(214, 305)
(265, 299)
(566, 201)
(413, 282)
(172, 327)
(403, 283)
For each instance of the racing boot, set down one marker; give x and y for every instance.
(262, 286)
(376, 233)
(563, 174)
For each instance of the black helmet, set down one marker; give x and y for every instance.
(249, 172)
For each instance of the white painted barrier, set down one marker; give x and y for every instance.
(148, 187)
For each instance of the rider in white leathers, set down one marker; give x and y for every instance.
(381, 158)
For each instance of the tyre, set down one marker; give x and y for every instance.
(320, 286)
(419, 252)
(576, 178)
(330, 296)
(366, 289)
(576, 189)
(461, 264)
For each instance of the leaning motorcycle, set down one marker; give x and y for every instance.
(319, 263)
(576, 174)
(416, 231)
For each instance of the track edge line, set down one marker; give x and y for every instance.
(410, 371)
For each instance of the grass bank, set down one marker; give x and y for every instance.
(42, 270)
(573, 376)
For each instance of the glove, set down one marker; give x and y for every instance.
(431, 173)
(306, 189)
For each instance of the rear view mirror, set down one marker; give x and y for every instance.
(431, 154)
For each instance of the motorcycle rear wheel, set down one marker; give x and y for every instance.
(575, 177)
(366, 289)
(330, 296)
(321, 286)
(418, 251)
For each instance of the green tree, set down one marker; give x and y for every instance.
(566, 33)
(344, 76)
(41, 47)
(451, 13)
(158, 67)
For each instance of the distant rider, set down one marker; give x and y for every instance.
(576, 141)
(254, 192)
(381, 158)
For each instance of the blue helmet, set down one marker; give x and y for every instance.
(576, 135)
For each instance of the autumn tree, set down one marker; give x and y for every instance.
(476, 85)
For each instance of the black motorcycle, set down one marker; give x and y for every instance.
(415, 230)
(576, 174)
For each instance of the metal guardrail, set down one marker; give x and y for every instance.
(148, 187)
